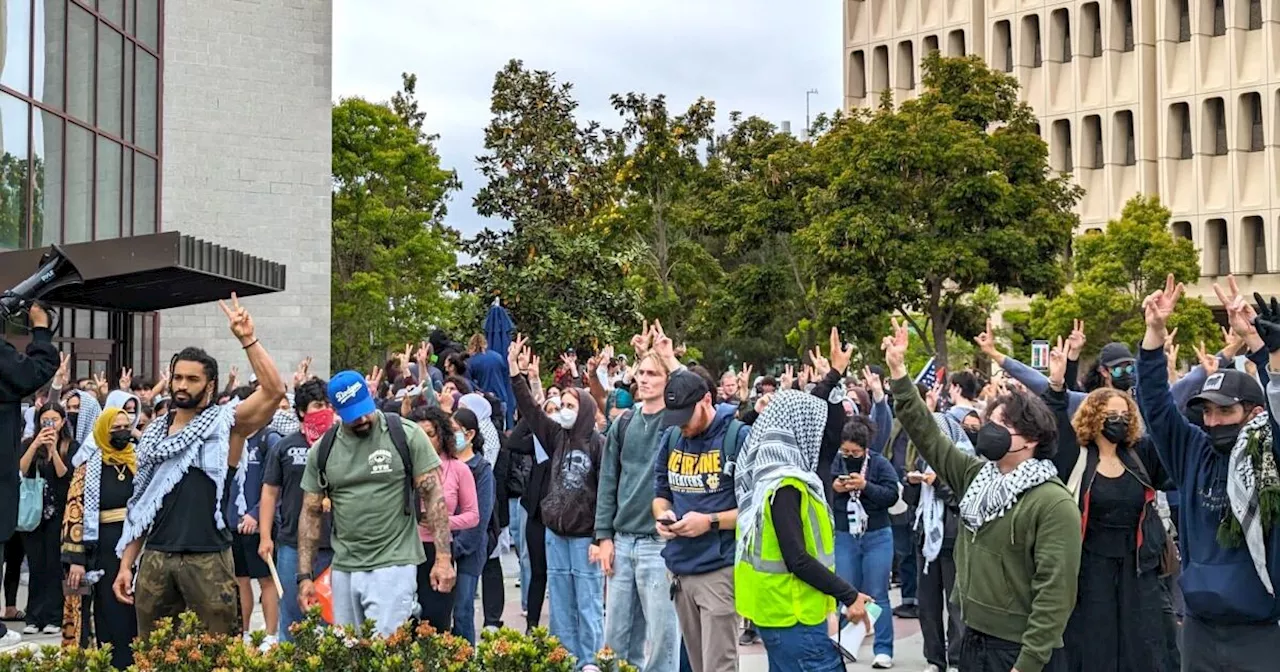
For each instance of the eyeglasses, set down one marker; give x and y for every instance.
(1117, 416)
(1122, 369)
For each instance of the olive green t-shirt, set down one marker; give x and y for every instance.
(366, 490)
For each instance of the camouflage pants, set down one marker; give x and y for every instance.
(168, 584)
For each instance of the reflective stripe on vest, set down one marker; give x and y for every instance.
(758, 563)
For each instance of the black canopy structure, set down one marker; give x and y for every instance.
(150, 272)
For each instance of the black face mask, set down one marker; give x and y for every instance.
(121, 438)
(1115, 430)
(1223, 437)
(362, 431)
(73, 418)
(1122, 382)
(192, 401)
(993, 442)
(972, 434)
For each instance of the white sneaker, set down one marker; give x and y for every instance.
(31, 630)
(931, 668)
(11, 639)
(267, 643)
(52, 630)
(882, 662)
(953, 669)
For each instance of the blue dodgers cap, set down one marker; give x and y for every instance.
(349, 395)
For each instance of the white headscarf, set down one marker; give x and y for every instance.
(119, 398)
(477, 404)
(784, 443)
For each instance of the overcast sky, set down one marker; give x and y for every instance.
(756, 56)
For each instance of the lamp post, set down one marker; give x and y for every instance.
(807, 94)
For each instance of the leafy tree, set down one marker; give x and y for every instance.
(658, 167)
(562, 279)
(921, 204)
(390, 246)
(1115, 270)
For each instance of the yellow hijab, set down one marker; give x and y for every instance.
(125, 457)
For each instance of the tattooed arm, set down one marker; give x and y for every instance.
(435, 516)
(308, 542)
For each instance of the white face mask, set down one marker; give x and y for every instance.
(566, 417)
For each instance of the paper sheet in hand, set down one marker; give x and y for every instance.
(849, 639)
(539, 453)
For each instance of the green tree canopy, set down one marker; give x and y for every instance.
(924, 202)
(1115, 270)
(390, 247)
(562, 279)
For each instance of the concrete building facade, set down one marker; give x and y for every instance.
(1178, 98)
(138, 118)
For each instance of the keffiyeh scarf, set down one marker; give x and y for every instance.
(1253, 489)
(784, 443)
(931, 512)
(285, 423)
(163, 460)
(93, 469)
(477, 404)
(992, 494)
(89, 412)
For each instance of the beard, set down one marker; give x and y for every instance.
(188, 402)
(363, 430)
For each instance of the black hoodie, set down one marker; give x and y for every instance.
(569, 505)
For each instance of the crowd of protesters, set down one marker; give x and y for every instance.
(1112, 516)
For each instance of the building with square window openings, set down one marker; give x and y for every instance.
(1179, 98)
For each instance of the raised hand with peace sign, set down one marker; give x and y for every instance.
(239, 320)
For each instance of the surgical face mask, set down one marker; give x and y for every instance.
(1223, 437)
(1115, 429)
(993, 442)
(460, 439)
(567, 417)
(121, 438)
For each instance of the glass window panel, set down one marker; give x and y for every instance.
(13, 172)
(127, 90)
(49, 68)
(82, 369)
(126, 191)
(79, 184)
(149, 22)
(15, 44)
(144, 194)
(130, 11)
(138, 363)
(101, 322)
(145, 96)
(110, 79)
(112, 10)
(46, 218)
(82, 324)
(108, 200)
(80, 56)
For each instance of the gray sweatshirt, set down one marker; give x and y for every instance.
(624, 503)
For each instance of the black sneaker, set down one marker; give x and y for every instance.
(906, 611)
(748, 638)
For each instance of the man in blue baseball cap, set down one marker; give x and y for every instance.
(370, 468)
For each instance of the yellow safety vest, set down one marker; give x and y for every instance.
(764, 590)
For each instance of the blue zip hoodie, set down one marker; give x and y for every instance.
(1220, 584)
(692, 477)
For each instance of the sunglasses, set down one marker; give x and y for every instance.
(1117, 371)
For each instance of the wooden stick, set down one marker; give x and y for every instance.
(275, 577)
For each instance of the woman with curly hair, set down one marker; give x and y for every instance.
(1117, 623)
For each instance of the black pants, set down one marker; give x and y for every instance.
(1229, 648)
(492, 592)
(14, 552)
(536, 537)
(1119, 621)
(4, 548)
(942, 635)
(44, 559)
(984, 653)
(433, 607)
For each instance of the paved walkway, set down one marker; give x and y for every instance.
(908, 645)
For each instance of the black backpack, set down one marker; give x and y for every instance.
(395, 427)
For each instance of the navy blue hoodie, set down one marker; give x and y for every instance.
(692, 477)
(880, 493)
(1220, 584)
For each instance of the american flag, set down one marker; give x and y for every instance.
(931, 373)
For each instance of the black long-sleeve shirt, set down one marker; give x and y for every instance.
(20, 375)
(790, 531)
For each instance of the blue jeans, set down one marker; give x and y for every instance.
(865, 562)
(464, 606)
(518, 515)
(801, 648)
(640, 608)
(577, 596)
(287, 568)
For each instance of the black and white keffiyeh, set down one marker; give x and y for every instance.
(163, 459)
(285, 423)
(1251, 470)
(992, 494)
(784, 443)
(931, 512)
(89, 412)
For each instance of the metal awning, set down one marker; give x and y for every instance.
(150, 272)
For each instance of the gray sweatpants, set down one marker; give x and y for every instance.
(389, 596)
(708, 620)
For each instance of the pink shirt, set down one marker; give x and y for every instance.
(459, 497)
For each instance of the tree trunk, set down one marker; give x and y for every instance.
(939, 322)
